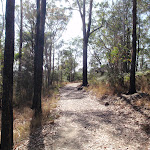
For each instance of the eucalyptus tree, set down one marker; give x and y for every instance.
(24, 57)
(68, 64)
(7, 107)
(38, 58)
(2, 24)
(86, 17)
(132, 88)
(2, 21)
(20, 53)
(86, 32)
(56, 22)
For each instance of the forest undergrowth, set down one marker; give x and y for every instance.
(102, 86)
(24, 120)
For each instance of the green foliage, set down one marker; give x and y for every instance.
(16, 57)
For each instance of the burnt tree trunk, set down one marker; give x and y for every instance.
(132, 88)
(38, 60)
(7, 108)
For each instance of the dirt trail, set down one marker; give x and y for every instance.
(87, 124)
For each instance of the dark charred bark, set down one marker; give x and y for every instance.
(7, 108)
(38, 60)
(85, 81)
(132, 88)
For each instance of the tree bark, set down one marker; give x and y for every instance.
(86, 34)
(52, 77)
(7, 108)
(20, 55)
(38, 60)
(49, 67)
(20, 47)
(132, 88)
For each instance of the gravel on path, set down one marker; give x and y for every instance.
(86, 123)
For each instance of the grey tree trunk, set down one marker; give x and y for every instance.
(7, 108)
(18, 91)
(49, 67)
(20, 47)
(86, 34)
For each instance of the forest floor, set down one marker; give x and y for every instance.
(88, 123)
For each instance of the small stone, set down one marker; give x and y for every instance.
(106, 104)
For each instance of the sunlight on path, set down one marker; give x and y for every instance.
(87, 124)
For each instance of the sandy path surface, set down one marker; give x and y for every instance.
(87, 124)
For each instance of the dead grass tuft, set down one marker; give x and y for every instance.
(100, 89)
(143, 102)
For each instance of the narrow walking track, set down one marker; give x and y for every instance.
(87, 124)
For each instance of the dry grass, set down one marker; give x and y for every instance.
(100, 89)
(24, 116)
(143, 102)
(104, 87)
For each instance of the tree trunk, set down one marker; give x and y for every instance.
(20, 56)
(86, 34)
(20, 47)
(138, 50)
(52, 78)
(38, 62)
(7, 108)
(3, 21)
(132, 88)
(49, 67)
(128, 49)
(85, 81)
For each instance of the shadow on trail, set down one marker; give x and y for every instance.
(137, 108)
(120, 126)
(72, 93)
(36, 140)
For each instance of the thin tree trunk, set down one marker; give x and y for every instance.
(1, 33)
(49, 67)
(132, 88)
(52, 78)
(138, 50)
(128, 49)
(20, 55)
(7, 108)
(20, 47)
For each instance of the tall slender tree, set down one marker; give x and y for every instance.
(86, 33)
(20, 46)
(132, 88)
(7, 109)
(20, 54)
(38, 60)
